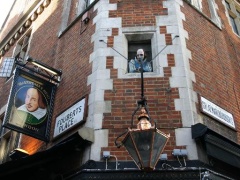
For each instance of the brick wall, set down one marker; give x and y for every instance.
(70, 53)
(215, 64)
(126, 92)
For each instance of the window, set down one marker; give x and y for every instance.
(4, 141)
(137, 41)
(20, 51)
(1, 123)
(3, 130)
(238, 13)
(227, 5)
(71, 10)
(146, 38)
(22, 46)
(6, 67)
(4, 149)
(233, 10)
(82, 5)
(197, 4)
(9, 141)
(234, 25)
(214, 16)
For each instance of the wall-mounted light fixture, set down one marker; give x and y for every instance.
(18, 153)
(44, 66)
(40, 68)
(144, 143)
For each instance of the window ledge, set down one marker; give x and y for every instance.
(138, 75)
(206, 17)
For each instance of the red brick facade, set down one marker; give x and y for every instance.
(205, 57)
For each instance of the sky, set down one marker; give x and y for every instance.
(5, 6)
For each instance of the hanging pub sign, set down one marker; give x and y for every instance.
(74, 115)
(30, 105)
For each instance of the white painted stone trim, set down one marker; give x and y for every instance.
(182, 76)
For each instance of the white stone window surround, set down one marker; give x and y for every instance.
(197, 4)
(80, 7)
(158, 45)
(233, 12)
(104, 26)
(213, 10)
